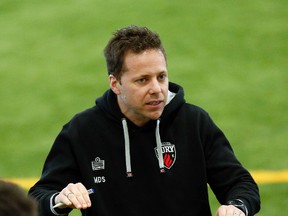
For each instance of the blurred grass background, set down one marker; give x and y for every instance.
(230, 57)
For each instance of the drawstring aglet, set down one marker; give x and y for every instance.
(129, 174)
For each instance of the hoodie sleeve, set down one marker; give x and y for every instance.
(58, 168)
(226, 176)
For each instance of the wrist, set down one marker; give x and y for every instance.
(238, 203)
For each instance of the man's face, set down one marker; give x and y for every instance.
(143, 88)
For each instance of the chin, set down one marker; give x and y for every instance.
(155, 116)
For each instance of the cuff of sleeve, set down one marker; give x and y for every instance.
(238, 203)
(52, 203)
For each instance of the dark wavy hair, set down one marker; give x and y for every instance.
(15, 201)
(131, 38)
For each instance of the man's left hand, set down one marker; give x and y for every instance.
(229, 210)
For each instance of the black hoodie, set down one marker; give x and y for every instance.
(99, 148)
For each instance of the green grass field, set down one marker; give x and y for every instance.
(230, 57)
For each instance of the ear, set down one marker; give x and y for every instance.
(114, 84)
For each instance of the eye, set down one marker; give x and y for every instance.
(162, 77)
(142, 80)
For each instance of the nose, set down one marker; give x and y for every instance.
(155, 87)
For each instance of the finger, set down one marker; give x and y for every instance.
(76, 202)
(80, 197)
(220, 212)
(230, 210)
(68, 194)
(62, 198)
(238, 213)
(234, 211)
(84, 194)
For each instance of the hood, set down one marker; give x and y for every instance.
(108, 104)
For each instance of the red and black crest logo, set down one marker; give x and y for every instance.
(169, 154)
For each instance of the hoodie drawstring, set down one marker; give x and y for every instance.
(159, 147)
(127, 148)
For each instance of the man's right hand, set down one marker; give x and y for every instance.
(74, 196)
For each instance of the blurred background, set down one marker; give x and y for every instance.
(230, 57)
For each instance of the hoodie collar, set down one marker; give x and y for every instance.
(108, 103)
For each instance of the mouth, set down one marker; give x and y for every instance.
(154, 103)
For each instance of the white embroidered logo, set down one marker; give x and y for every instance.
(98, 164)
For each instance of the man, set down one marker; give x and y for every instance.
(142, 148)
(14, 201)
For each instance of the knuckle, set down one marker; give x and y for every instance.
(70, 185)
